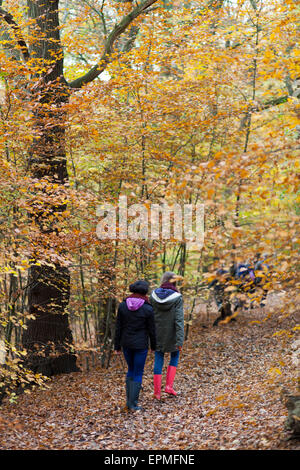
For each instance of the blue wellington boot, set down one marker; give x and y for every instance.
(128, 381)
(134, 393)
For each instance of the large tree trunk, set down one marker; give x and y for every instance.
(48, 338)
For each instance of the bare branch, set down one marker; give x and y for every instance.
(275, 102)
(97, 69)
(8, 18)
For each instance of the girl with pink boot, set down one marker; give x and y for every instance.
(167, 304)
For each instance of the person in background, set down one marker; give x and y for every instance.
(262, 276)
(167, 303)
(134, 328)
(221, 297)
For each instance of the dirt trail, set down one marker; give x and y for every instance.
(230, 380)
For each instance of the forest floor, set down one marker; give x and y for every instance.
(231, 380)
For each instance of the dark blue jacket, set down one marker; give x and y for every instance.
(134, 327)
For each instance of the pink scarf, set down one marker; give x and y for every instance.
(169, 285)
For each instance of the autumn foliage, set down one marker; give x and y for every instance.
(167, 100)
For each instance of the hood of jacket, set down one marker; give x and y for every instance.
(134, 303)
(164, 298)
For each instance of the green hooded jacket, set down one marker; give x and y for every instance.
(169, 320)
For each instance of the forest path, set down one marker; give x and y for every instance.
(229, 377)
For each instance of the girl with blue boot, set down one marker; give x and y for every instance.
(134, 328)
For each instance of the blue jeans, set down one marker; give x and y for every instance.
(135, 359)
(159, 361)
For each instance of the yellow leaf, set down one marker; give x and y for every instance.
(274, 370)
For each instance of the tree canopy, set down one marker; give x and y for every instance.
(175, 101)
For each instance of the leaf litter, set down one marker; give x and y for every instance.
(231, 380)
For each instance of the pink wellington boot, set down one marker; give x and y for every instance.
(157, 386)
(171, 372)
